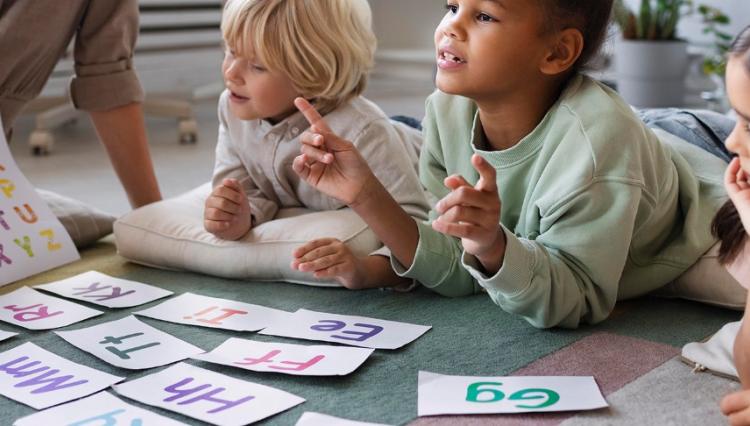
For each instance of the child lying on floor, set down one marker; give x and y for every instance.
(733, 220)
(555, 199)
(277, 51)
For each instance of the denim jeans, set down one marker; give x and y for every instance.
(705, 129)
(409, 121)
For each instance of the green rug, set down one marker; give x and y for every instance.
(470, 336)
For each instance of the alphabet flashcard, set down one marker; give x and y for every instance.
(102, 409)
(439, 394)
(31, 309)
(346, 329)
(205, 395)
(319, 360)
(5, 335)
(130, 343)
(100, 289)
(194, 309)
(32, 240)
(41, 379)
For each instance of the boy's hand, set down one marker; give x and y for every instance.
(736, 183)
(227, 213)
(472, 213)
(330, 258)
(737, 407)
(328, 163)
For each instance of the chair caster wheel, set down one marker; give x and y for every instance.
(41, 142)
(188, 129)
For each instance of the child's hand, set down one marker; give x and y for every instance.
(330, 258)
(736, 406)
(735, 181)
(227, 213)
(473, 214)
(328, 163)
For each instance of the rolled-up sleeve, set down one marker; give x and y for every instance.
(105, 78)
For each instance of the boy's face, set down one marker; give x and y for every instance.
(489, 48)
(738, 90)
(256, 92)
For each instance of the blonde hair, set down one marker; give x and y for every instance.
(325, 47)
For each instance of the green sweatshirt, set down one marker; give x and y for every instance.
(596, 207)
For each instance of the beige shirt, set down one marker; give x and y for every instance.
(34, 35)
(260, 156)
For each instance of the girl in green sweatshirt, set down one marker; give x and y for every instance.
(554, 198)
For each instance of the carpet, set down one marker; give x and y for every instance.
(632, 355)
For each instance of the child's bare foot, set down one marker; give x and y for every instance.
(330, 258)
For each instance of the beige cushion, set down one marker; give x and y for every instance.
(170, 235)
(707, 281)
(84, 223)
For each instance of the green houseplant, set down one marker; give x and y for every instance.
(714, 65)
(650, 60)
(654, 20)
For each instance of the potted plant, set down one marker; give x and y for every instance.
(650, 60)
(715, 60)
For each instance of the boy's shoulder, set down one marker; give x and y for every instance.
(358, 109)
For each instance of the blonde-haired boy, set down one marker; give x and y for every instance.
(322, 51)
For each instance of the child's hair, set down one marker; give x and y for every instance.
(727, 226)
(590, 17)
(325, 47)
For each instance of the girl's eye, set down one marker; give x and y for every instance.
(483, 17)
(257, 68)
(452, 8)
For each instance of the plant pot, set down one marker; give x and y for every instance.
(651, 74)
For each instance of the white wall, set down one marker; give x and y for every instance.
(405, 31)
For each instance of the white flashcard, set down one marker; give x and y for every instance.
(41, 379)
(439, 394)
(194, 309)
(32, 239)
(101, 289)
(208, 396)
(129, 343)
(31, 309)
(300, 360)
(310, 418)
(346, 329)
(5, 335)
(102, 409)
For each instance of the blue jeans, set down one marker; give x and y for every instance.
(409, 121)
(705, 129)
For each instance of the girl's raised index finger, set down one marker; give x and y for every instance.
(487, 174)
(311, 114)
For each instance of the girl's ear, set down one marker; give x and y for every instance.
(565, 49)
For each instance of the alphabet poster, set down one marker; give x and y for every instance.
(101, 289)
(41, 379)
(32, 240)
(346, 329)
(194, 309)
(31, 309)
(286, 358)
(439, 394)
(131, 344)
(310, 418)
(208, 396)
(101, 409)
